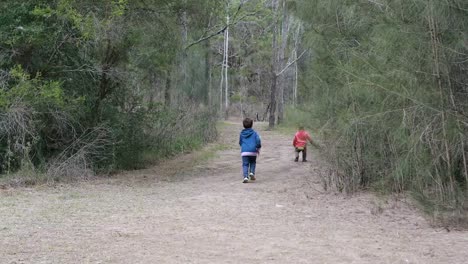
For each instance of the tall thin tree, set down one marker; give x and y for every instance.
(273, 67)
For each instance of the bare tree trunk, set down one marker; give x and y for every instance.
(152, 79)
(241, 103)
(271, 119)
(273, 70)
(296, 79)
(167, 90)
(183, 58)
(226, 66)
(224, 70)
(243, 96)
(208, 99)
(282, 60)
(465, 163)
(208, 70)
(296, 68)
(105, 82)
(221, 87)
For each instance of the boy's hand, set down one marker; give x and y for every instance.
(315, 144)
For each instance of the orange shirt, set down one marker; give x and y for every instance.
(300, 139)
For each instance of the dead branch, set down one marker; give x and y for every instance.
(291, 63)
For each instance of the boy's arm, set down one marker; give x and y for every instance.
(240, 140)
(316, 145)
(311, 141)
(258, 141)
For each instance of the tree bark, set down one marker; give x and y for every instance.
(183, 57)
(226, 66)
(274, 61)
(167, 90)
(208, 99)
(282, 61)
(224, 70)
(272, 117)
(296, 68)
(105, 83)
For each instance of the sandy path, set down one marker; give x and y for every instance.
(206, 215)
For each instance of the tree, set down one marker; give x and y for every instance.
(385, 84)
(274, 65)
(98, 76)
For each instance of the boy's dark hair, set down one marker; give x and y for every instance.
(247, 123)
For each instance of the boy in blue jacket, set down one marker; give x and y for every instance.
(250, 143)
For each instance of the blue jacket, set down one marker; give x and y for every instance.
(249, 140)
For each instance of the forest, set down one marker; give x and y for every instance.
(91, 87)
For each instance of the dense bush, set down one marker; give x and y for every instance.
(388, 90)
(84, 87)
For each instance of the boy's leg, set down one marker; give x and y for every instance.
(253, 163)
(296, 153)
(304, 154)
(245, 166)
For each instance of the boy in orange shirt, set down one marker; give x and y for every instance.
(300, 143)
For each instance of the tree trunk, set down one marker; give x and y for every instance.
(282, 61)
(226, 66)
(183, 57)
(224, 71)
(221, 88)
(167, 90)
(208, 99)
(152, 79)
(273, 70)
(105, 83)
(271, 119)
(296, 68)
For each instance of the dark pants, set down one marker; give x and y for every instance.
(248, 162)
(304, 153)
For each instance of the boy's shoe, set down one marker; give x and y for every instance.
(246, 180)
(252, 176)
(296, 159)
(304, 160)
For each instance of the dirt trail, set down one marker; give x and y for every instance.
(180, 213)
